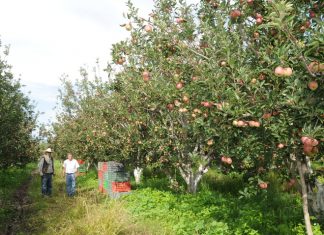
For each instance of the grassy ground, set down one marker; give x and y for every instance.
(10, 181)
(87, 213)
(155, 209)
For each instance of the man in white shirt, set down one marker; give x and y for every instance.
(70, 169)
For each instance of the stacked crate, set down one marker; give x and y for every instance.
(113, 179)
(82, 167)
(100, 176)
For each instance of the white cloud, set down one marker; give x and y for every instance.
(49, 38)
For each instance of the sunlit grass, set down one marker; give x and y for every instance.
(89, 212)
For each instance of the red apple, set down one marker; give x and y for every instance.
(279, 71)
(313, 85)
(210, 142)
(197, 111)
(194, 78)
(250, 2)
(259, 20)
(257, 124)
(280, 146)
(179, 85)
(235, 14)
(251, 123)
(288, 72)
(256, 35)
(224, 159)
(229, 161)
(177, 103)
(312, 14)
(302, 29)
(241, 123)
(223, 63)
(308, 149)
(219, 106)
(315, 142)
(146, 76)
(258, 15)
(263, 185)
(183, 110)
(316, 67)
(121, 60)
(309, 142)
(304, 138)
(148, 28)
(170, 107)
(185, 99)
(262, 77)
(180, 20)
(307, 24)
(206, 104)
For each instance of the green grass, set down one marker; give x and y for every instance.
(89, 212)
(217, 208)
(10, 180)
(153, 208)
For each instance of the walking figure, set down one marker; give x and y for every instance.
(70, 170)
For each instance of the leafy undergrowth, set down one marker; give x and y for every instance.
(10, 180)
(154, 209)
(217, 208)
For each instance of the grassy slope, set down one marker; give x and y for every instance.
(10, 180)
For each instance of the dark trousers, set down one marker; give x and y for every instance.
(47, 184)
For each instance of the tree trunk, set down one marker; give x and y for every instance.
(191, 178)
(304, 196)
(89, 164)
(138, 172)
(193, 184)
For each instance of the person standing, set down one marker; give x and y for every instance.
(46, 170)
(70, 169)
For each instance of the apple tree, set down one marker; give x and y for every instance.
(17, 119)
(239, 82)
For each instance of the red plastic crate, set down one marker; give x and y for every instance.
(81, 162)
(100, 174)
(104, 166)
(121, 186)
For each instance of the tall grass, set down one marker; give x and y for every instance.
(10, 180)
(89, 212)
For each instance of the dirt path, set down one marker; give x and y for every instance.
(21, 202)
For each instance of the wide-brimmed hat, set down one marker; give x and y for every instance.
(49, 150)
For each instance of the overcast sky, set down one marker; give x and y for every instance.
(49, 38)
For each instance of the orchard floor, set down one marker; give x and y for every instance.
(155, 209)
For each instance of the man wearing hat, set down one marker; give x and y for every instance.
(46, 170)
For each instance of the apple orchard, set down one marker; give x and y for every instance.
(236, 85)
